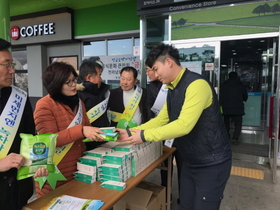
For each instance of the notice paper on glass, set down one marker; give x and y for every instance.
(73, 203)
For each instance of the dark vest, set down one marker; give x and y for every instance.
(207, 143)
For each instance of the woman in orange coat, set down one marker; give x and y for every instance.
(63, 113)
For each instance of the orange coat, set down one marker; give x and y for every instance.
(53, 117)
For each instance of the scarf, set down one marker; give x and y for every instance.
(71, 101)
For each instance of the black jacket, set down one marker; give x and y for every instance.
(116, 103)
(152, 91)
(207, 144)
(232, 95)
(91, 95)
(15, 195)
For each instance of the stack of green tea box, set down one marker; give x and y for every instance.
(144, 156)
(117, 162)
(89, 163)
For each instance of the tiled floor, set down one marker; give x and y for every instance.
(241, 193)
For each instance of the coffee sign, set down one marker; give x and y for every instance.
(41, 29)
(35, 30)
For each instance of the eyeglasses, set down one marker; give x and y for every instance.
(70, 82)
(9, 66)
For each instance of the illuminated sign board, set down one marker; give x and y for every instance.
(41, 29)
(35, 30)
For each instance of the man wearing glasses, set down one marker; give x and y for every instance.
(13, 101)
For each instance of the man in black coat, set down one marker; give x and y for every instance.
(233, 94)
(121, 96)
(14, 193)
(92, 91)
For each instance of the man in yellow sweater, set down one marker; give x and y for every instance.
(191, 116)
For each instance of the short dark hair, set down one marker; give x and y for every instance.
(88, 67)
(130, 68)
(97, 61)
(161, 52)
(55, 75)
(4, 45)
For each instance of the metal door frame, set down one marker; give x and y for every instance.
(274, 143)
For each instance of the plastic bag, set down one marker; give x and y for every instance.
(38, 152)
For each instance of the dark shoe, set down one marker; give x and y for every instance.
(235, 142)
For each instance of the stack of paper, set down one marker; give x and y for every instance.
(73, 203)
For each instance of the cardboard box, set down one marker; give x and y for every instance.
(146, 196)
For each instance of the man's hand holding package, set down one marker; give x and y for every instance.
(135, 139)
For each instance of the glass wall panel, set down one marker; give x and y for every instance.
(157, 29)
(136, 42)
(115, 54)
(21, 76)
(120, 47)
(202, 58)
(95, 48)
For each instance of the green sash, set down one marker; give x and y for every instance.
(98, 110)
(125, 119)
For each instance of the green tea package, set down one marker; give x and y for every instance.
(110, 134)
(38, 152)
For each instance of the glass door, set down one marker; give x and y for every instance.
(202, 58)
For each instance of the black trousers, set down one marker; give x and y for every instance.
(237, 120)
(202, 187)
(14, 194)
(179, 163)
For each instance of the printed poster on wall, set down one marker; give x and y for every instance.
(114, 64)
